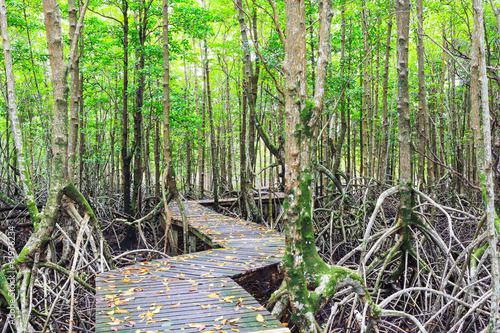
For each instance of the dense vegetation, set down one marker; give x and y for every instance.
(378, 119)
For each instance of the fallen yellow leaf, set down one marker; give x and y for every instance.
(254, 308)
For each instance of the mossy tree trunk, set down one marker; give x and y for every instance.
(309, 282)
(19, 310)
(14, 119)
(60, 180)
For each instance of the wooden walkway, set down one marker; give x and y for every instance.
(265, 197)
(194, 292)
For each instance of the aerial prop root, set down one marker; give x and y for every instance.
(404, 246)
(322, 287)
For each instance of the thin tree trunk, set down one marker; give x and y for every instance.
(229, 139)
(126, 158)
(14, 120)
(479, 80)
(112, 149)
(81, 148)
(187, 187)
(138, 116)
(39, 95)
(244, 205)
(167, 152)
(375, 112)
(250, 80)
(215, 168)
(366, 102)
(442, 105)
(403, 106)
(496, 11)
(197, 104)
(156, 148)
(337, 151)
(74, 90)
(385, 117)
(422, 102)
(201, 147)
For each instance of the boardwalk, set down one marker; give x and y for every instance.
(194, 292)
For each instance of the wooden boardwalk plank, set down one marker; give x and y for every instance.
(193, 292)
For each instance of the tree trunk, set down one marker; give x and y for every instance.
(138, 116)
(308, 280)
(337, 150)
(14, 120)
(374, 129)
(366, 102)
(201, 147)
(479, 80)
(422, 102)
(403, 107)
(126, 158)
(187, 184)
(250, 80)
(60, 182)
(382, 171)
(81, 148)
(496, 11)
(199, 130)
(229, 139)
(442, 105)
(156, 148)
(74, 90)
(130, 236)
(213, 148)
(170, 174)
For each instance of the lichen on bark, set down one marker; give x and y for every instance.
(309, 282)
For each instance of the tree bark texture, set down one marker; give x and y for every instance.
(422, 94)
(308, 279)
(480, 101)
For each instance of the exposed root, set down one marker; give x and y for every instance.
(321, 289)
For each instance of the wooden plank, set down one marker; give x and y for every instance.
(193, 288)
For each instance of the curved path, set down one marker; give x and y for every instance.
(194, 292)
